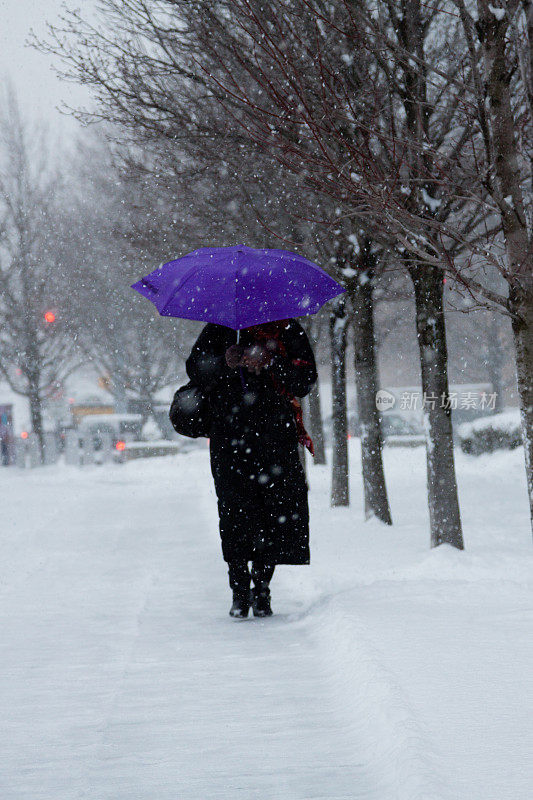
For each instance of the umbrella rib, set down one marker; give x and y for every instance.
(236, 322)
(184, 279)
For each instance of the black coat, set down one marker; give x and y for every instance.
(259, 479)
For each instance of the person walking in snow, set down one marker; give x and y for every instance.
(255, 430)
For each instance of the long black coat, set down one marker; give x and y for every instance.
(259, 480)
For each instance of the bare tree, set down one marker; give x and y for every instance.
(340, 492)
(357, 264)
(369, 125)
(151, 85)
(455, 169)
(37, 346)
(500, 50)
(366, 259)
(121, 227)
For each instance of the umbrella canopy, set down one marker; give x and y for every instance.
(238, 286)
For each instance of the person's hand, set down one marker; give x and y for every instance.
(255, 358)
(234, 356)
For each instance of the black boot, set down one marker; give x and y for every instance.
(239, 581)
(262, 575)
(241, 605)
(261, 601)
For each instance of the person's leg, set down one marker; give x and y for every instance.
(239, 575)
(262, 575)
(239, 581)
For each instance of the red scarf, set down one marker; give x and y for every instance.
(273, 331)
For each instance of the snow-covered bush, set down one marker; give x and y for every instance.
(486, 434)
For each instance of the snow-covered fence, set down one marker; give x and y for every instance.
(27, 451)
(79, 449)
(72, 448)
(51, 448)
(486, 434)
(83, 448)
(134, 450)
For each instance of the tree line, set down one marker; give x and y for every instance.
(389, 141)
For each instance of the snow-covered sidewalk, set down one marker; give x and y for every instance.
(388, 671)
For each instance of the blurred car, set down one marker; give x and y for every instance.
(396, 429)
(401, 431)
(110, 433)
(399, 425)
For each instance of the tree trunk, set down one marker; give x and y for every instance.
(521, 305)
(147, 407)
(494, 363)
(507, 167)
(120, 397)
(312, 408)
(339, 460)
(36, 415)
(316, 426)
(375, 490)
(445, 520)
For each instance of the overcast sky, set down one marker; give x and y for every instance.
(38, 89)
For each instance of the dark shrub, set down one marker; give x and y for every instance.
(487, 434)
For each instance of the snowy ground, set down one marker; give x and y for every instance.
(389, 671)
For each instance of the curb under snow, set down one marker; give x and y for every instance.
(376, 711)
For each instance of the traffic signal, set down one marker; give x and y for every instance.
(49, 316)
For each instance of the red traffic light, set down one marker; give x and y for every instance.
(50, 316)
(120, 446)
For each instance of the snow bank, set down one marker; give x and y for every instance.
(376, 706)
(506, 422)
(428, 649)
(486, 434)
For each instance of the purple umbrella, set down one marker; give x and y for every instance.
(238, 286)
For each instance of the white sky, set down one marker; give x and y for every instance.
(38, 89)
